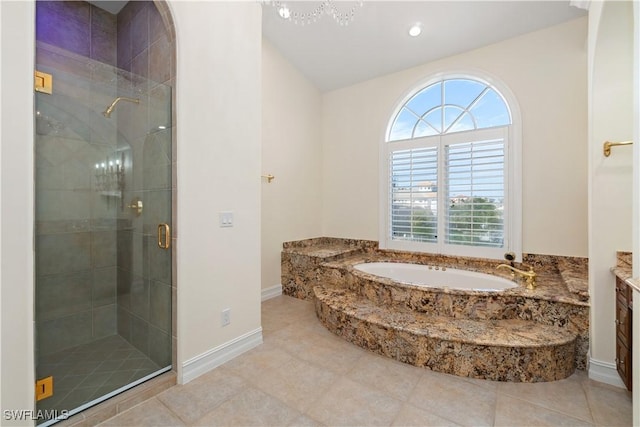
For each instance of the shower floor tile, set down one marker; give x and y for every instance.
(86, 372)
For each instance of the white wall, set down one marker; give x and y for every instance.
(219, 127)
(610, 178)
(291, 151)
(545, 70)
(16, 198)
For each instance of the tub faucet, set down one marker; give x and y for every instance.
(530, 276)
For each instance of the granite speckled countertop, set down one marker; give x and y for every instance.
(321, 251)
(624, 270)
(550, 284)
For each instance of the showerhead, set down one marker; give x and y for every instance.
(109, 110)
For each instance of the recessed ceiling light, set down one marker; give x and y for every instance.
(415, 30)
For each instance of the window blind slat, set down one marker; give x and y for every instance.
(413, 195)
(475, 193)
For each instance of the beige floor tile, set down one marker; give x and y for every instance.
(455, 399)
(299, 384)
(511, 412)
(259, 360)
(610, 406)
(278, 313)
(250, 408)
(488, 384)
(320, 348)
(302, 327)
(387, 375)
(202, 395)
(284, 307)
(305, 421)
(411, 416)
(566, 396)
(271, 324)
(348, 403)
(304, 375)
(149, 413)
(286, 302)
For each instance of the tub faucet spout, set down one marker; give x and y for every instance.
(530, 276)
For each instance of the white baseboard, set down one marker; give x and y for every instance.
(272, 292)
(605, 372)
(215, 357)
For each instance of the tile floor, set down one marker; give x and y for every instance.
(305, 376)
(89, 371)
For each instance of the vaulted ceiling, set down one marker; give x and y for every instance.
(377, 42)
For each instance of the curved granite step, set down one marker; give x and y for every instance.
(501, 350)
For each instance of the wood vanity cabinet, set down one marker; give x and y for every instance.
(624, 296)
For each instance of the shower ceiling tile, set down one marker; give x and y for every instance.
(103, 46)
(111, 6)
(64, 24)
(140, 32)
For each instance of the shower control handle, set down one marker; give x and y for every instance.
(164, 231)
(136, 206)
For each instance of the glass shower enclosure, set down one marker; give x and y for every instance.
(103, 186)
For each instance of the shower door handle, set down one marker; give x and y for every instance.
(164, 231)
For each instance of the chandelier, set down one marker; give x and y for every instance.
(311, 15)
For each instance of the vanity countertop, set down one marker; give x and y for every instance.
(623, 270)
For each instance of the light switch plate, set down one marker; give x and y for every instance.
(226, 219)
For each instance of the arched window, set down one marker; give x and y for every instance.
(451, 185)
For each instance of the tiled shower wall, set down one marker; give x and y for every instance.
(78, 27)
(99, 269)
(143, 44)
(144, 290)
(75, 228)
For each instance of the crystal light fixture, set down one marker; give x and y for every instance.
(325, 7)
(109, 175)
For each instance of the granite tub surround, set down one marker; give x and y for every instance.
(549, 304)
(573, 271)
(301, 261)
(559, 278)
(364, 309)
(500, 350)
(329, 243)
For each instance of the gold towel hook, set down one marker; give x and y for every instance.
(608, 144)
(269, 178)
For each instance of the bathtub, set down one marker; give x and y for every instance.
(436, 277)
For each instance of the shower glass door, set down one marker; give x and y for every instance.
(103, 215)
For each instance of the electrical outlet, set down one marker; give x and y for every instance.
(226, 317)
